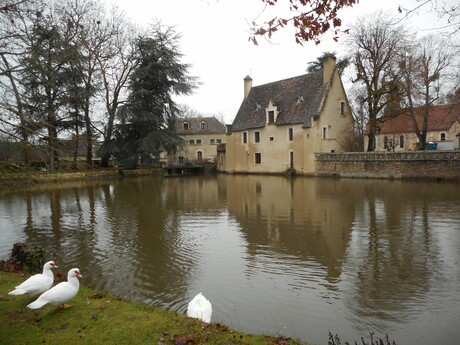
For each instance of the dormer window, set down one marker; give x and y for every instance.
(203, 125)
(271, 117)
(270, 113)
(185, 126)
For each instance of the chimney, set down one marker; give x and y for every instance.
(328, 68)
(247, 86)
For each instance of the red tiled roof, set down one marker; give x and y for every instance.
(440, 118)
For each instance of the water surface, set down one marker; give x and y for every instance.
(298, 257)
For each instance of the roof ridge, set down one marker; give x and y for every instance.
(286, 79)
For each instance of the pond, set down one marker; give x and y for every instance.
(292, 256)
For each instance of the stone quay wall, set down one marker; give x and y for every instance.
(435, 165)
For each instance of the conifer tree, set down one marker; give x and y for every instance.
(147, 122)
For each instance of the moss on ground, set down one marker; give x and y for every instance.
(102, 318)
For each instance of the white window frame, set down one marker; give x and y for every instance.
(273, 108)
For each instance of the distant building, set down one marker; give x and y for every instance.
(201, 136)
(279, 126)
(398, 133)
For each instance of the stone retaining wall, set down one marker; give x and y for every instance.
(399, 165)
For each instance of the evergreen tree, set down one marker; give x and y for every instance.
(48, 76)
(147, 121)
(316, 66)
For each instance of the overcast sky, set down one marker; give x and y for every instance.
(215, 42)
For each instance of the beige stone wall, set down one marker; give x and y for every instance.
(276, 154)
(208, 150)
(336, 127)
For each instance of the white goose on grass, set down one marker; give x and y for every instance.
(38, 283)
(60, 293)
(199, 307)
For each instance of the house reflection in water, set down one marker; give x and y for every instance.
(307, 219)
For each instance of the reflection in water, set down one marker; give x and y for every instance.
(299, 257)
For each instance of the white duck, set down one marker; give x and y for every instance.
(60, 293)
(38, 283)
(199, 307)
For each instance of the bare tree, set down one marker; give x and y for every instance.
(186, 112)
(116, 63)
(374, 44)
(93, 31)
(14, 30)
(357, 98)
(445, 9)
(424, 71)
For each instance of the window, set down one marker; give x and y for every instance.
(342, 108)
(271, 138)
(271, 117)
(185, 126)
(219, 141)
(181, 160)
(257, 137)
(192, 142)
(290, 134)
(200, 156)
(211, 141)
(258, 158)
(324, 132)
(203, 125)
(443, 136)
(385, 142)
(401, 141)
(245, 137)
(198, 141)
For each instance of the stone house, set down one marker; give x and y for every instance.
(280, 125)
(398, 133)
(201, 136)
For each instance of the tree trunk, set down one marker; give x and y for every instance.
(108, 136)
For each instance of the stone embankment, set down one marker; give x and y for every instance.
(13, 180)
(433, 165)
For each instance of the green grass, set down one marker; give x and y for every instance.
(102, 318)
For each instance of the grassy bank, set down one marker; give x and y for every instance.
(101, 318)
(11, 180)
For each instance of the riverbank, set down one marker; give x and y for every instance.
(102, 318)
(14, 180)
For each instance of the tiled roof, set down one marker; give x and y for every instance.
(440, 118)
(285, 95)
(213, 126)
